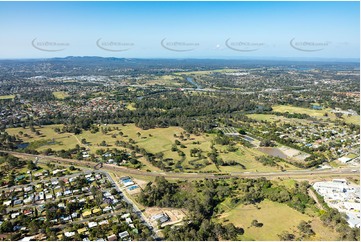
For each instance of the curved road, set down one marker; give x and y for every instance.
(112, 168)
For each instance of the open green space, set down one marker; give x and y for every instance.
(204, 72)
(165, 80)
(152, 140)
(316, 113)
(7, 97)
(60, 95)
(275, 118)
(352, 156)
(54, 140)
(276, 218)
(131, 107)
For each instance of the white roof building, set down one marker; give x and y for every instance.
(123, 234)
(69, 234)
(353, 220)
(352, 206)
(103, 222)
(92, 224)
(126, 215)
(7, 203)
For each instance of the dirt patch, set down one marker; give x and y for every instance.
(140, 183)
(293, 153)
(175, 215)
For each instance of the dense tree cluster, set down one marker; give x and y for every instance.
(201, 207)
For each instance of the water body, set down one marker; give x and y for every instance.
(190, 80)
(22, 145)
(273, 152)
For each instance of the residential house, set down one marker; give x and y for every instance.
(123, 235)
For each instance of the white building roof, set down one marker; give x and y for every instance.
(69, 234)
(344, 159)
(124, 234)
(92, 224)
(353, 220)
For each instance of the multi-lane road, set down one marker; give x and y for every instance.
(336, 172)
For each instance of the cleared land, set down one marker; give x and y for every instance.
(175, 215)
(276, 218)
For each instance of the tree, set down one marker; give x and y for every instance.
(31, 165)
(255, 223)
(6, 227)
(2, 209)
(34, 227)
(62, 184)
(305, 229)
(338, 115)
(231, 231)
(267, 143)
(286, 236)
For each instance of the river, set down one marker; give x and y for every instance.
(190, 80)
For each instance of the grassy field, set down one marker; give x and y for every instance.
(62, 141)
(60, 95)
(204, 72)
(316, 113)
(166, 80)
(7, 97)
(276, 218)
(153, 140)
(352, 156)
(275, 118)
(130, 106)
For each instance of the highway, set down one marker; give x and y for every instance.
(337, 172)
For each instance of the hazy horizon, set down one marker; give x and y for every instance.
(213, 30)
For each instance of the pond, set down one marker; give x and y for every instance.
(22, 145)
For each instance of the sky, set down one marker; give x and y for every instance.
(180, 29)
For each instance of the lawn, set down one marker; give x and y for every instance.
(61, 141)
(275, 118)
(60, 95)
(352, 156)
(7, 97)
(166, 80)
(276, 217)
(292, 109)
(131, 107)
(316, 113)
